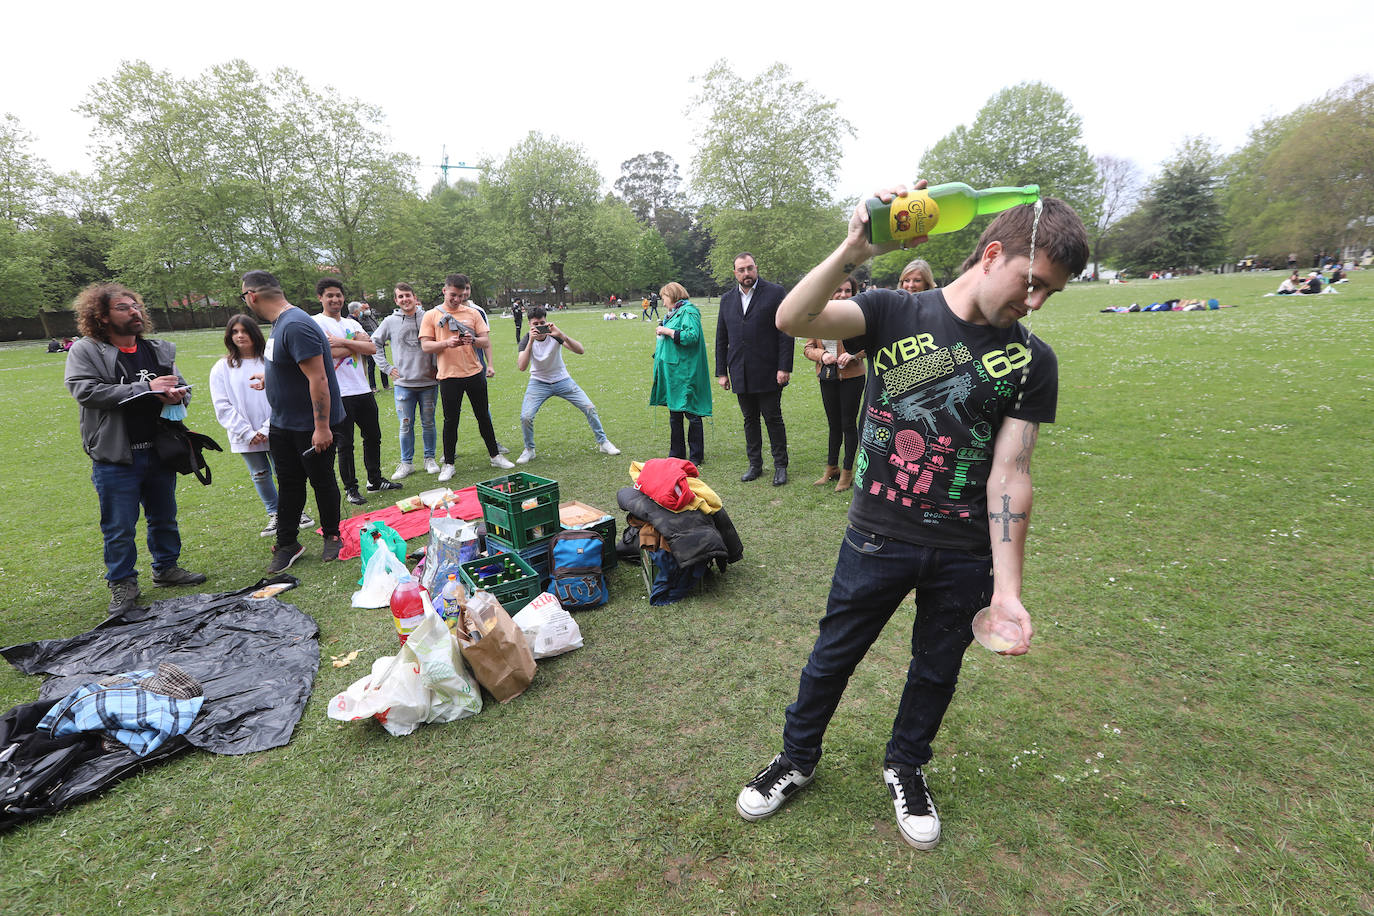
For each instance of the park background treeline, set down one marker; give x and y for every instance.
(197, 180)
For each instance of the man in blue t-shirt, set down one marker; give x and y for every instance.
(957, 389)
(304, 396)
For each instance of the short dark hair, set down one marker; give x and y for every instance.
(260, 281)
(457, 281)
(1060, 235)
(537, 311)
(325, 283)
(745, 254)
(250, 326)
(404, 288)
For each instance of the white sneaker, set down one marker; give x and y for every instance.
(403, 470)
(501, 449)
(917, 818)
(271, 528)
(608, 448)
(446, 473)
(498, 461)
(431, 466)
(766, 792)
(525, 457)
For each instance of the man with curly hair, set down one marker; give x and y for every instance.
(122, 380)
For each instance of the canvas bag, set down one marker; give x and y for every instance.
(501, 660)
(576, 577)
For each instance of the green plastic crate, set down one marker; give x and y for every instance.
(513, 581)
(520, 509)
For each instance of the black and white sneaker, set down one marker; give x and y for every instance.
(381, 485)
(917, 818)
(353, 496)
(765, 793)
(283, 556)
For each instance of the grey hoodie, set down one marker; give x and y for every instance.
(92, 367)
(416, 366)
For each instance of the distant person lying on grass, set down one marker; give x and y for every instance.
(957, 390)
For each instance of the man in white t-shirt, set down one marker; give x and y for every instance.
(541, 354)
(350, 344)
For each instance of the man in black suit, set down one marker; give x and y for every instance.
(754, 359)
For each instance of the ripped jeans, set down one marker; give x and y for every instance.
(538, 392)
(406, 400)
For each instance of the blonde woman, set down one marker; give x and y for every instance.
(916, 277)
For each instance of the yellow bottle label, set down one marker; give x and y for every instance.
(913, 215)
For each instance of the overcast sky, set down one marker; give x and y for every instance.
(616, 77)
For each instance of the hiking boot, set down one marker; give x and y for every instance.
(525, 457)
(501, 461)
(917, 818)
(404, 470)
(271, 528)
(608, 448)
(382, 485)
(170, 576)
(446, 473)
(332, 546)
(283, 556)
(123, 594)
(356, 498)
(765, 793)
(431, 467)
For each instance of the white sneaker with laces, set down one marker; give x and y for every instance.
(271, 528)
(446, 473)
(499, 461)
(765, 793)
(403, 470)
(431, 466)
(608, 448)
(525, 457)
(917, 818)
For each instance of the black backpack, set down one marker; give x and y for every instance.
(576, 578)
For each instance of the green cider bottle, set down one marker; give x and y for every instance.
(939, 209)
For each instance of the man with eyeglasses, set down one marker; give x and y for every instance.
(122, 381)
(304, 395)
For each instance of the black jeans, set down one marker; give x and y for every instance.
(372, 374)
(360, 410)
(451, 391)
(872, 575)
(769, 405)
(841, 399)
(693, 445)
(294, 470)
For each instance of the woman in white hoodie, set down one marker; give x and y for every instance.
(236, 388)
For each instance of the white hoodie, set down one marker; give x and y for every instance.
(242, 410)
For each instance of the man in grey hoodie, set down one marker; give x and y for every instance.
(413, 371)
(122, 381)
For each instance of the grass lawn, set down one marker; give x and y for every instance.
(1184, 737)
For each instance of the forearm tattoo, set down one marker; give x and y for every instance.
(321, 409)
(1028, 437)
(849, 268)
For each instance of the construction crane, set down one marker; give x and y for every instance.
(444, 166)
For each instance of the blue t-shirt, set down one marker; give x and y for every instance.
(938, 390)
(295, 338)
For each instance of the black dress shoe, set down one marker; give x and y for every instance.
(355, 497)
(751, 474)
(779, 476)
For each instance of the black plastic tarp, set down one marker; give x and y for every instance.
(256, 658)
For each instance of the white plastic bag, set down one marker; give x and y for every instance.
(379, 579)
(426, 681)
(549, 629)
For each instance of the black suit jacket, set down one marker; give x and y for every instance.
(749, 348)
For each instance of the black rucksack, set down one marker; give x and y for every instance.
(576, 578)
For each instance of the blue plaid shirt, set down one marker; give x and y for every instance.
(133, 715)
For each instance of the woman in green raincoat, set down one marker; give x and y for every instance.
(682, 380)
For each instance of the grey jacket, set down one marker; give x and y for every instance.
(416, 366)
(92, 367)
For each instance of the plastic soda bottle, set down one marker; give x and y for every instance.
(939, 209)
(407, 606)
(450, 596)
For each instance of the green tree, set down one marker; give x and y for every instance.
(1118, 188)
(24, 178)
(1025, 134)
(649, 183)
(605, 261)
(1179, 224)
(765, 168)
(653, 264)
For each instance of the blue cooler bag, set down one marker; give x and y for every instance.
(576, 578)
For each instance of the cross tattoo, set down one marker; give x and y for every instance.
(1006, 517)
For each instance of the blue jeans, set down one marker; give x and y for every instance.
(406, 401)
(122, 489)
(538, 392)
(872, 575)
(260, 471)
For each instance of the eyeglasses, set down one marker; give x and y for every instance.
(243, 297)
(123, 307)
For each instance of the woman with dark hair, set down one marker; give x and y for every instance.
(236, 389)
(682, 381)
(841, 376)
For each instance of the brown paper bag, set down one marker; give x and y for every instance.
(501, 659)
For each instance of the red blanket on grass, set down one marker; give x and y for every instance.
(407, 524)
